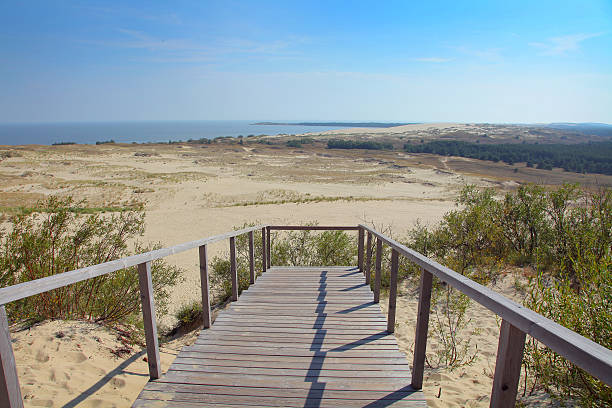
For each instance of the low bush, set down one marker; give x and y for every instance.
(303, 248)
(353, 144)
(566, 236)
(57, 239)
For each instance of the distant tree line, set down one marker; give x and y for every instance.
(297, 143)
(593, 157)
(354, 144)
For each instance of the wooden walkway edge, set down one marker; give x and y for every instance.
(298, 337)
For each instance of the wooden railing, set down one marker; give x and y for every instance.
(10, 392)
(517, 321)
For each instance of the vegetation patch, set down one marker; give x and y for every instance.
(565, 235)
(577, 158)
(57, 237)
(354, 144)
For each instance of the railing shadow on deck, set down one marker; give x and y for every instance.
(517, 321)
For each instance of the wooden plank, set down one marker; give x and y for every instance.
(588, 355)
(302, 312)
(331, 294)
(251, 257)
(264, 252)
(233, 271)
(340, 338)
(226, 379)
(320, 347)
(319, 342)
(207, 398)
(368, 262)
(287, 351)
(283, 314)
(297, 360)
(360, 250)
(305, 374)
(289, 324)
(298, 319)
(205, 287)
(332, 284)
(288, 330)
(321, 298)
(508, 366)
(371, 366)
(10, 392)
(377, 273)
(148, 316)
(392, 292)
(279, 392)
(422, 325)
(22, 290)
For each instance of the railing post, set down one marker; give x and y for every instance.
(378, 270)
(264, 251)
(422, 325)
(508, 366)
(368, 262)
(392, 292)
(268, 248)
(205, 287)
(233, 271)
(251, 257)
(10, 393)
(360, 250)
(148, 315)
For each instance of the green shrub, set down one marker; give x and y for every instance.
(303, 248)
(189, 316)
(57, 239)
(353, 144)
(566, 236)
(583, 303)
(308, 248)
(294, 143)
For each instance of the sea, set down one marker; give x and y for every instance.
(140, 131)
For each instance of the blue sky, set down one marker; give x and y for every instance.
(466, 61)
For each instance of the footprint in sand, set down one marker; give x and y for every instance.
(41, 356)
(76, 357)
(95, 403)
(118, 382)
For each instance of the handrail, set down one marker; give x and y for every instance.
(312, 227)
(10, 391)
(22, 290)
(516, 319)
(588, 355)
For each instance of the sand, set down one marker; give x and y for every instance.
(198, 191)
(73, 363)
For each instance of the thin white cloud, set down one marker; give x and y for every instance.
(185, 50)
(435, 60)
(564, 44)
(490, 55)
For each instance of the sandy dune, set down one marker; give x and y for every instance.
(197, 191)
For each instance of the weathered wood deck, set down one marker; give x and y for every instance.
(298, 337)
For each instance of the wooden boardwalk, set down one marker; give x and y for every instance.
(298, 337)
